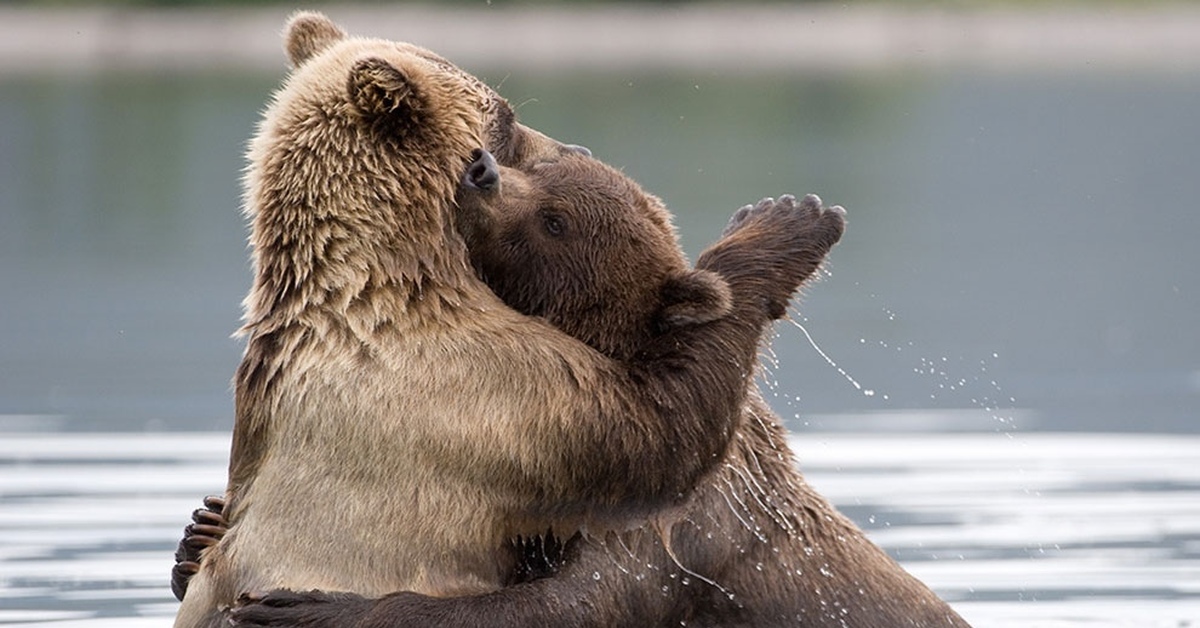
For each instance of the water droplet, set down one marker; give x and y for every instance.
(595, 575)
(828, 359)
(759, 566)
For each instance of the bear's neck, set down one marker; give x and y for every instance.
(318, 267)
(351, 227)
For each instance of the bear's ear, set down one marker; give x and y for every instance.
(308, 33)
(694, 297)
(377, 87)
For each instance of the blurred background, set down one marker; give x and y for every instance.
(997, 376)
(1020, 179)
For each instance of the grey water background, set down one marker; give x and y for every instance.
(1020, 265)
(1034, 230)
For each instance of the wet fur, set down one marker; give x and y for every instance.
(397, 425)
(754, 546)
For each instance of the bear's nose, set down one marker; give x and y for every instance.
(483, 173)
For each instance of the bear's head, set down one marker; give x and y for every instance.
(578, 243)
(352, 177)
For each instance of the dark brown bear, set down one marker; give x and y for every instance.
(397, 425)
(755, 545)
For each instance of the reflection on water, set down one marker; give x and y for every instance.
(1021, 531)
(1016, 241)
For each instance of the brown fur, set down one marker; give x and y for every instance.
(754, 546)
(396, 423)
(590, 278)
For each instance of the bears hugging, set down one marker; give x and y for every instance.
(463, 335)
(391, 410)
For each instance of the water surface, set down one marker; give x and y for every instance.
(1015, 531)
(1017, 283)
(1024, 241)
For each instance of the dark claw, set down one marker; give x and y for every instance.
(205, 533)
(215, 503)
(294, 608)
(180, 574)
(207, 527)
(737, 219)
(208, 517)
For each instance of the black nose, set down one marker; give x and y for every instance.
(483, 173)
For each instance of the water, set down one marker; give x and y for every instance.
(1041, 224)
(1024, 531)
(1016, 285)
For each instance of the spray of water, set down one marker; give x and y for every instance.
(868, 392)
(947, 373)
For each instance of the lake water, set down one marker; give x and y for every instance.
(1022, 241)
(999, 376)
(1025, 530)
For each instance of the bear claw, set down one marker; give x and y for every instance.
(810, 204)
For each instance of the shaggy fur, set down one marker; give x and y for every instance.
(397, 425)
(754, 546)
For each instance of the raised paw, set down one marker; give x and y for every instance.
(772, 247)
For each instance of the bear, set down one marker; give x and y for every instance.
(396, 424)
(754, 546)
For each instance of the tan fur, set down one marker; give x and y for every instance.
(397, 424)
(755, 545)
(308, 33)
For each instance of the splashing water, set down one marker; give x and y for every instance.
(951, 375)
(867, 392)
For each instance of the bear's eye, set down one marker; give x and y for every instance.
(555, 224)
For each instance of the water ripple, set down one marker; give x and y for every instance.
(1022, 530)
